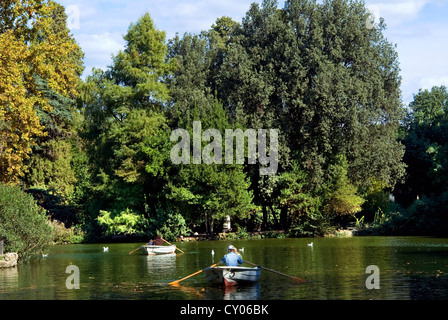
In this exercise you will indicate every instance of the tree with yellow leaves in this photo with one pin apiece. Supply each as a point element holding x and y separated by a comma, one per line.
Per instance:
<point>29,47</point>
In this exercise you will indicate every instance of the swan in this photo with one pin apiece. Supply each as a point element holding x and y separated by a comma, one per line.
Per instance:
<point>310,244</point>
<point>105,249</point>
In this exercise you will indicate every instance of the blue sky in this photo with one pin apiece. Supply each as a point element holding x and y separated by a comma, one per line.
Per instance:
<point>419,28</point>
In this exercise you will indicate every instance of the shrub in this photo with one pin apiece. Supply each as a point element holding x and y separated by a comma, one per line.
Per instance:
<point>126,222</point>
<point>64,235</point>
<point>169,224</point>
<point>23,225</point>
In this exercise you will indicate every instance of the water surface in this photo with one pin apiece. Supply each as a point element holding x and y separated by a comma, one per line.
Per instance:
<point>335,268</point>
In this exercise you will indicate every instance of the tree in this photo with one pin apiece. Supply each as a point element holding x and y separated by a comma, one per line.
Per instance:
<point>425,190</point>
<point>204,192</point>
<point>317,73</point>
<point>125,126</point>
<point>426,144</point>
<point>189,85</point>
<point>299,206</point>
<point>31,51</point>
<point>136,72</point>
<point>343,198</point>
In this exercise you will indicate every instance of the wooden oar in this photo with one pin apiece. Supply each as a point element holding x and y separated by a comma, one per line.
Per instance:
<point>171,245</point>
<point>134,250</point>
<point>285,275</point>
<point>193,274</point>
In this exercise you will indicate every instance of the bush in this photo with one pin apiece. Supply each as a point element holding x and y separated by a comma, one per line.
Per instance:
<point>126,222</point>
<point>23,225</point>
<point>64,235</point>
<point>169,224</point>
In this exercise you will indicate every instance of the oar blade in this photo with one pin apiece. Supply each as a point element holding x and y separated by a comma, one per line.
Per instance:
<point>134,250</point>
<point>189,276</point>
<point>299,279</point>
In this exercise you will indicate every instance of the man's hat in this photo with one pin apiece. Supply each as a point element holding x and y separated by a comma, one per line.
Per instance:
<point>231,248</point>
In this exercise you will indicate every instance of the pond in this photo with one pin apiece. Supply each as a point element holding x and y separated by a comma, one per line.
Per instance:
<point>405,268</point>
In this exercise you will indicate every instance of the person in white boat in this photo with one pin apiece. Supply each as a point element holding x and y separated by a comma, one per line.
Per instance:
<point>157,242</point>
<point>232,258</point>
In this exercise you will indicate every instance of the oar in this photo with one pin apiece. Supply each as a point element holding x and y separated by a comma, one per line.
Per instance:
<point>193,274</point>
<point>171,245</point>
<point>285,275</point>
<point>134,250</point>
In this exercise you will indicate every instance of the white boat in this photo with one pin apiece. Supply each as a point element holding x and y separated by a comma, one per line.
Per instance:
<point>230,276</point>
<point>153,249</point>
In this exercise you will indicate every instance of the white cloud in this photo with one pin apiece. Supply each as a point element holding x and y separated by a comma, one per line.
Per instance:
<point>99,49</point>
<point>419,29</point>
<point>396,12</point>
<point>428,83</point>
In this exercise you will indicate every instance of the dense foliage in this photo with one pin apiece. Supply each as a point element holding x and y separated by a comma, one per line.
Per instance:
<point>96,153</point>
<point>425,135</point>
<point>34,61</point>
<point>24,226</point>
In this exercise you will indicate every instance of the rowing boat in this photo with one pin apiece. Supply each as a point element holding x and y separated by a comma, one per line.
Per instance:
<point>153,249</point>
<point>230,276</point>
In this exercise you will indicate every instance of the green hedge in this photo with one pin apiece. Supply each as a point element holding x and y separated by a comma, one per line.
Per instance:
<point>23,226</point>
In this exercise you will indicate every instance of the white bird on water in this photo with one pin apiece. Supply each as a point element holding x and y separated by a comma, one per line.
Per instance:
<point>242,249</point>
<point>310,244</point>
<point>105,249</point>
<point>213,253</point>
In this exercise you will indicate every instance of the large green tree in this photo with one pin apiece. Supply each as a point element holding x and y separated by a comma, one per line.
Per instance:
<point>316,72</point>
<point>125,125</point>
<point>425,190</point>
<point>207,192</point>
<point>327,80</point>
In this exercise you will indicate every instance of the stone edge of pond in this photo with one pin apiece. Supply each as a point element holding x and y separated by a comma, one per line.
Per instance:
<point>9,260</point>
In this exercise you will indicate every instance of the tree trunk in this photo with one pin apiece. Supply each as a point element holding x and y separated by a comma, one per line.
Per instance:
<point>276,223</point>
<point>206,222</point>
<point>284,217</point>
<point>212,221</point>
<point>265,217</point>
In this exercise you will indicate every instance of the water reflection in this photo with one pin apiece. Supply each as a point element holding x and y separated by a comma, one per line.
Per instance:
<point>410,268</point>
<point>163,263</point>
<point>239,292</point>
<point>8,277</point>
<point>249,292</point>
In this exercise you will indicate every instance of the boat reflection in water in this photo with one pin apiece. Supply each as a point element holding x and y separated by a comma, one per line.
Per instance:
<point>243,292</point>
<point>239,283</point>
<point>161,263</point>
<point>239,292</point>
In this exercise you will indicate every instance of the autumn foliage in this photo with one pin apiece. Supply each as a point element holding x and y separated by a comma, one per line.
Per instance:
<point>30,47</point>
